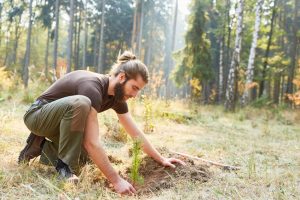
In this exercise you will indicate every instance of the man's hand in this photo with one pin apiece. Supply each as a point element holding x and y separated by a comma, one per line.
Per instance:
<point>123,187</point>
<point>168,162</point>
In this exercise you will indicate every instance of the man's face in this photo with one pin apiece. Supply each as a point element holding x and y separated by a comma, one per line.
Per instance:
<point>126,89</point>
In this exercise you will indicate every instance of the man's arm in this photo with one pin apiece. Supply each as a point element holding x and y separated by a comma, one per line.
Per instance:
<point>131,128</point>
<point>96,152</point>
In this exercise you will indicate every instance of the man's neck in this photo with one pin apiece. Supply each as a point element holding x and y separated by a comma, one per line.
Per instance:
<point>111,85</point>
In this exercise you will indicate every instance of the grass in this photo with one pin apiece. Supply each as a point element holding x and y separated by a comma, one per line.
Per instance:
<point>265,143</point>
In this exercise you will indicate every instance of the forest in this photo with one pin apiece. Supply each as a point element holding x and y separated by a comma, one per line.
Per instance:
<point>231,52</point>
<point>224,86</point>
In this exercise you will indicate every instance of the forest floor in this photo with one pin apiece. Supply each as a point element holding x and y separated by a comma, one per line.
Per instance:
<point>264,143</point>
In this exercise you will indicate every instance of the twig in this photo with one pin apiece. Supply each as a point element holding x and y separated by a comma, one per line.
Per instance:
<point>226,167</point>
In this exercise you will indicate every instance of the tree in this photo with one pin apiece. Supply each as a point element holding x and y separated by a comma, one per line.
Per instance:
<point>15,16</point>
<point>70,37</point>
<point>264,72</point>
<point>46,17</point>
<point>27,52</point>
<point>293,50</point>
<point>250,68</point>
<point>85,40</point>
<point>57,4</point>
<point>235,62</point>
<point>101,41</point>
<point>194,61</point>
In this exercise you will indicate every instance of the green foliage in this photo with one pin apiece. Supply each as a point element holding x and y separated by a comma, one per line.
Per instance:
<point>176,117</point>
<point>136,162</point>
<point>261,102</point>
<point>148,114</point>
<point>194,60</point>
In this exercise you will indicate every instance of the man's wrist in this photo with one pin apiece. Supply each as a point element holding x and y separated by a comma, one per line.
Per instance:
<point>114,177</point>
<point>161,160</point>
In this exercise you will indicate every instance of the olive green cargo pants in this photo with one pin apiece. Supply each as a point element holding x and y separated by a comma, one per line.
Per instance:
<point>62,122</point>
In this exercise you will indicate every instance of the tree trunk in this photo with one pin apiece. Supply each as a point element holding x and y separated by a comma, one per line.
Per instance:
<point>137,28</point>
<point>221,71</point>
<point>75,31</point>
<point>141,25</point>
<point>16,44</point>
<point>7,44</point>
<point>70,37</point>
<point>96,48</point>
<point>293,51</point>
<point>250,68</point>
<point>55,39</point>
<point>78,42</point>
<point>230,92</point>
<point>27,52</point>
<point>1,8</point>
<point>264,72</point>
<point>134,28</point>
<point>276,91</point>
<point>85,40</point>
<point>228,45</point>
<point>47,53</point>
<point>101,42</point>
<point>174,26</point>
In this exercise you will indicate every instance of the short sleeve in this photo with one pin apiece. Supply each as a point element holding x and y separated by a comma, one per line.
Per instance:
<point>93,94</point>
<point>120,108</point>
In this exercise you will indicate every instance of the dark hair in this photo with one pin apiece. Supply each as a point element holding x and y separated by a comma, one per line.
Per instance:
<point>131,66</point>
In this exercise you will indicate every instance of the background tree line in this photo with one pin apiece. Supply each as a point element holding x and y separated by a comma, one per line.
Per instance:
<point>234,52</point>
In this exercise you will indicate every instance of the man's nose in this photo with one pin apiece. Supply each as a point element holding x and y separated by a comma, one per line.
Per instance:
<point>134,94</point>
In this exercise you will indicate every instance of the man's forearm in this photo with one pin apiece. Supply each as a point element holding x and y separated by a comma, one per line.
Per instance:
<point>96,152</point>
<point>98,155</point>
<point>150,150</point>
<point>135,132</point>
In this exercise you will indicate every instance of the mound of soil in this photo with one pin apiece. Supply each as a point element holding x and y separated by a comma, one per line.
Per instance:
<point>157,177</point>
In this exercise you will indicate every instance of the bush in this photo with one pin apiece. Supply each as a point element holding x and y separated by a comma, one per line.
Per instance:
<point>261,102</point>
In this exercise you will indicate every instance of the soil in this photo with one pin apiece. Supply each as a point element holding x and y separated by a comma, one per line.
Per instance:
<point>157,177</point>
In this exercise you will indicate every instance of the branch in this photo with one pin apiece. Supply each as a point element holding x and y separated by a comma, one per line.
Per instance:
<point>225,167</point>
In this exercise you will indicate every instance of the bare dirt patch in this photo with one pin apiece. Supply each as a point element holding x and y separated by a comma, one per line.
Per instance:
<point>157,177</point>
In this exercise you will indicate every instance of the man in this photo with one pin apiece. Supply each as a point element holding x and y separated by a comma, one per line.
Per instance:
<point>66,115</point>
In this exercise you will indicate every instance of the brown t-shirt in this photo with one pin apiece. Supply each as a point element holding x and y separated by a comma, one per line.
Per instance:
<point>90,84</point>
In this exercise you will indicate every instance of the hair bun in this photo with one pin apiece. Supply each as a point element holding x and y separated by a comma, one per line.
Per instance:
<point>126,56</point>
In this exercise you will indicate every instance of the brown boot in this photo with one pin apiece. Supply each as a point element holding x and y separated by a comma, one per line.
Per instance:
<point>32,149</point>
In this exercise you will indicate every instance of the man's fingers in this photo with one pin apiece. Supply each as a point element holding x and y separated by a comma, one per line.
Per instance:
<point>180,162</point>
<point>127,192</point>
<point>171,165</point>
<point>132,189</point>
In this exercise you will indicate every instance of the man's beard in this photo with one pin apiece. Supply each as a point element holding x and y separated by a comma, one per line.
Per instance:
<point>119,92</point>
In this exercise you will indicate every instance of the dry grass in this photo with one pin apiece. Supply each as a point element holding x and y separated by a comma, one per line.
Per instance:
<point>264,143</point>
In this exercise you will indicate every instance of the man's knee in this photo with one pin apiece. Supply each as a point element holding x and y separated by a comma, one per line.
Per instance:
<point>82,103</point>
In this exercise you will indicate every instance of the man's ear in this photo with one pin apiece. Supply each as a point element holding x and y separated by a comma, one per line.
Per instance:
<point>122,77</point>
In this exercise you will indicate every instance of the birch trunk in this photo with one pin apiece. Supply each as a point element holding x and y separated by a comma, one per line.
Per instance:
<point>250,67</point>
<point>230,92</point>
<point>221,71</point>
